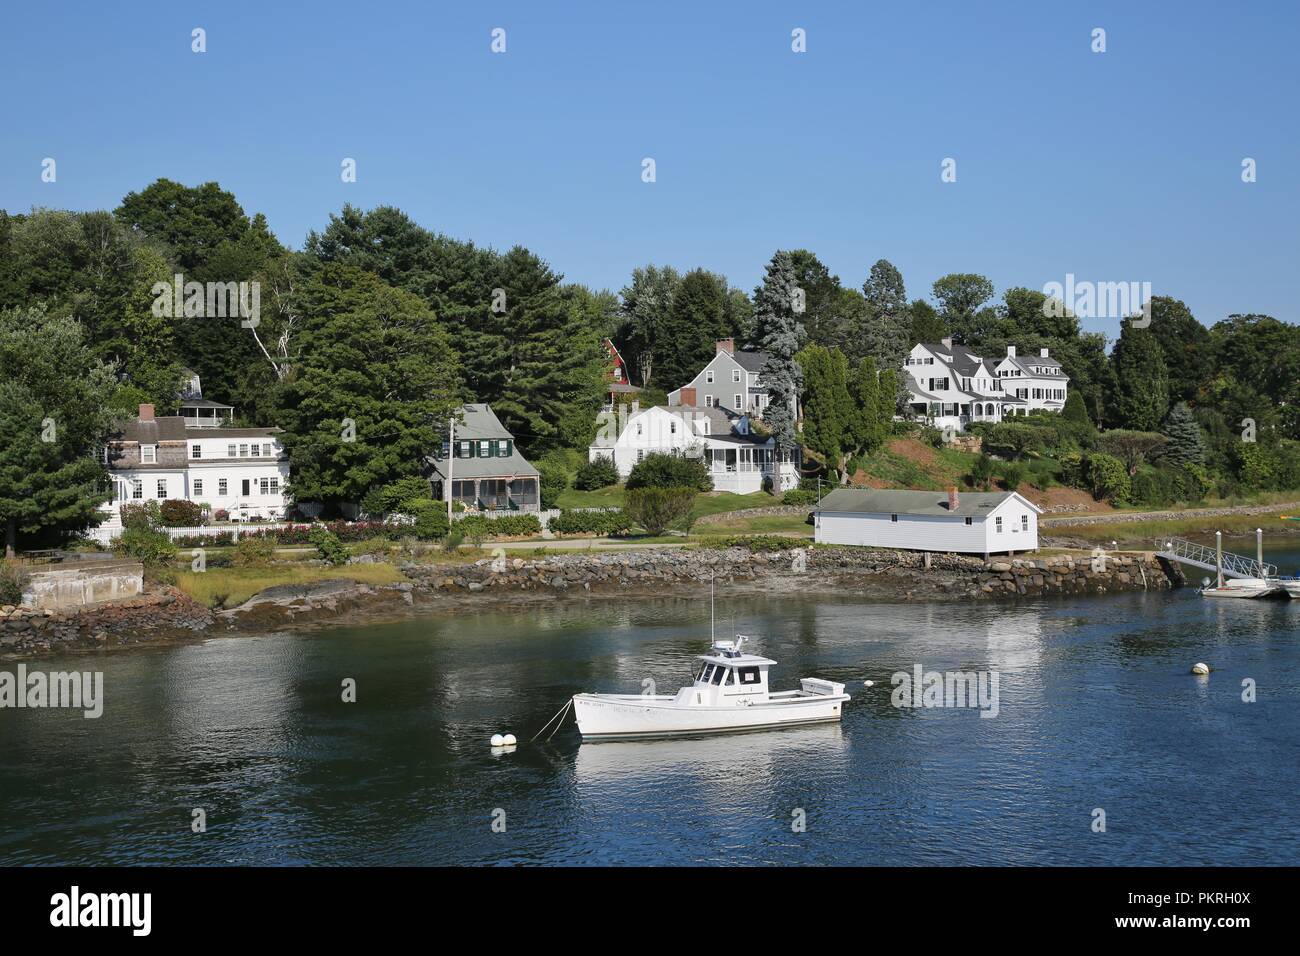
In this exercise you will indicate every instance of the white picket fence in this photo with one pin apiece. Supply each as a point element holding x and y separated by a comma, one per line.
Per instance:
<point>106,535</point>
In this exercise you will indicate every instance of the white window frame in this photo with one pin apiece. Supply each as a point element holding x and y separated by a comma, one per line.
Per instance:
<point>148,454</point>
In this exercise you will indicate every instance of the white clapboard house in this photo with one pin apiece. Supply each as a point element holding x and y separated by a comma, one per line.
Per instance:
<point>243,471</point>
<point>961,522</point>
<point>738,460</point>
<point>950,386</point>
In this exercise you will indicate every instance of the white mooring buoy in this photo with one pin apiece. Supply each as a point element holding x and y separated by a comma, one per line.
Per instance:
<point>498,740</point>
<point>868,683</point>
<point>1200,669</point>
<point>510,740</point>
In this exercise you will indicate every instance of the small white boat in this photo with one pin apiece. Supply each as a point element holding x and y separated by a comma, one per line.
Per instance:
<point>1248,588</point>
<point>1292,586</point>
<point>730,693</point>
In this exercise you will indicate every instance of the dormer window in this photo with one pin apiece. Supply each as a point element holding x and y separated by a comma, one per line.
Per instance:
<point>196,451</point>
<point>148,454</point>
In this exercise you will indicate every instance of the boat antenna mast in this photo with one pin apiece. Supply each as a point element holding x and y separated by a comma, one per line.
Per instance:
<point>710,608</point>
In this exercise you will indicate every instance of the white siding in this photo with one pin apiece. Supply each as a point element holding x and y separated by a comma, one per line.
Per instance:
<point>934,532</point>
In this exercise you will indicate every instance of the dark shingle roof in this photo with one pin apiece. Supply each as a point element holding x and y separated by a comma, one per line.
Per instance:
<point>751,361</point>
<point>889,501</point>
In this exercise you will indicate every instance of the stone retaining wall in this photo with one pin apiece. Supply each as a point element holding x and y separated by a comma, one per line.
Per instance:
<point>156,615</point>
<point>76,584</point>
<point>851,570</point>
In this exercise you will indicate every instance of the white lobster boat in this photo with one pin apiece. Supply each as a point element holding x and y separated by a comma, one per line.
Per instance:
<point>730,693</point>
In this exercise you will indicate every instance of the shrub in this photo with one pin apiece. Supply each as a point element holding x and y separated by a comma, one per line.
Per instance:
<point>931,436</point>
<point>554,479</point>
<point>1073,470</point>
<point>1108,478</point>
<point>656,508</point>
<point>143,515</point>
<point>981,472</point>
<point>328,546</point>
<point>758,542</point>
<point>178,513</point>
<point>221,514</point>
<point>800,497</point>
<point>600,473</point>
<point>1013,475</point>
<point>670,471</point>
<point>146,545</point>
<point>214,540</point>
<point>253,551</point>
<point>430,519</point>
<point>508,526</point>
<point>609,522</point>
<point>12,581</point>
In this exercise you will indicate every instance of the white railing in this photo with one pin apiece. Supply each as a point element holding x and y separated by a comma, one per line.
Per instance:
<point>1198,555</point>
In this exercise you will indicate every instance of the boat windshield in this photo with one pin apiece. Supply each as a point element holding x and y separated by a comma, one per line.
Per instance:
<point>719,673</point>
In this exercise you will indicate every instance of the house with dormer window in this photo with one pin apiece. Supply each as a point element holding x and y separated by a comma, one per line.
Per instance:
<point>481,468</point>
<point>950,386</point>
<point>242,471</point>
<point>732,380</point>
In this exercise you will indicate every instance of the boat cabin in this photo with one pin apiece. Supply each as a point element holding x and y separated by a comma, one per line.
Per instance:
<point>727,677</point>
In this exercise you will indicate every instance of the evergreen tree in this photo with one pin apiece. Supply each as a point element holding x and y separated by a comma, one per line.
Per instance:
<point>887,400</point>
<point>778,331</point>
<point>1186,445</point>
<point>549,374</point>
<point>869,429</point>
<point>828,428</point>
<point>926,324</point>
<point>54,416</point>
<point>698,317</point>
<point>373,389</point>
<point>887,329</point>
<point>1141,380</point>
<point>1185,345</point>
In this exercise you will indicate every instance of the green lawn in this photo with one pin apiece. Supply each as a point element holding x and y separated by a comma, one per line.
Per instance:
<point>758,524</point>
<point>229,587</point>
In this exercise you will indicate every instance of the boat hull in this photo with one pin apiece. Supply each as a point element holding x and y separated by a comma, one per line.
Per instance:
<point>611,716</point>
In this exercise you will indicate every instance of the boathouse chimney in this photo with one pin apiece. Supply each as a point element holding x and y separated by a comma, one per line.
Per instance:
<point>953,499</point>
<point>146,413</point>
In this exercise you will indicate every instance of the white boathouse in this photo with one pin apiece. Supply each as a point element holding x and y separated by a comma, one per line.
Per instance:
<point>961,522</point>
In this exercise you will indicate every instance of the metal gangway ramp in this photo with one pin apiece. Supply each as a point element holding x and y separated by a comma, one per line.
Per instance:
<point>1234,565</point>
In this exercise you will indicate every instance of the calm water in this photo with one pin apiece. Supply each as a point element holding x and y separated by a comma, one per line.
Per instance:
<point>1097,710</point>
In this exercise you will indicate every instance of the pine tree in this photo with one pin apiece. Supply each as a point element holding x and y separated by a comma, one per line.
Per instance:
<point>887,328</point>
<point>829,411</point>
<point>1142,382</point>
<point>551,365</point>
<point>54,416</point>
<point>778,331</point>
<point>1186,445</point>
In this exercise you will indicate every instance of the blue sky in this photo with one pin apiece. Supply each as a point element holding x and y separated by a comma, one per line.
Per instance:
<point>1120,166</point>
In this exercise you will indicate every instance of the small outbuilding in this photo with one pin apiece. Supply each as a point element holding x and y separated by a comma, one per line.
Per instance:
<point>962,522</point>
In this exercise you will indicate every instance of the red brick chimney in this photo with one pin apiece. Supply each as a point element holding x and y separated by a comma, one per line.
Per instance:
<point>724,345</point>
<point>146,413</point>
<point>688,396</point>
<point>953,500</point>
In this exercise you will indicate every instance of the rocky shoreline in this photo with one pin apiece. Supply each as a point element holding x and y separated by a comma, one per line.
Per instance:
<point>166,615</point>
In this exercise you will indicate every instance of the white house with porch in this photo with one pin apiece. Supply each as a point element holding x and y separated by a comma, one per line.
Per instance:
<point>951,386</point>
<point>738,460</point>
<point>960,522</point>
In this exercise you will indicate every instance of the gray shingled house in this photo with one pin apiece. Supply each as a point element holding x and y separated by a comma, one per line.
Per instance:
<point>484,470</point>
